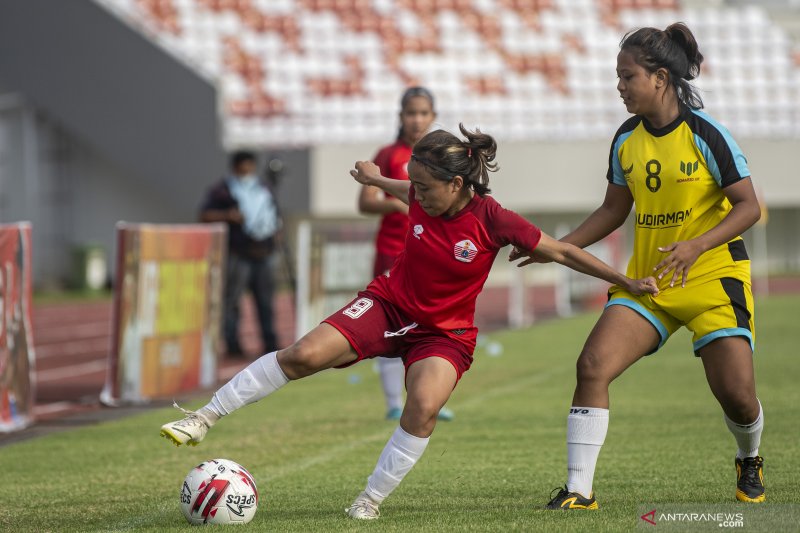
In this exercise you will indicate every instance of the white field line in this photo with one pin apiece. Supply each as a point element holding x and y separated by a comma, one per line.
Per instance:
<point>90,367</point>
<point>73,347</point>
<point>71,371</point>
<point>54,407</point>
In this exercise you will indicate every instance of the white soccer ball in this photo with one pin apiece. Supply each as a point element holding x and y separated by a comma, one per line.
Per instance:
<point>219,492</point>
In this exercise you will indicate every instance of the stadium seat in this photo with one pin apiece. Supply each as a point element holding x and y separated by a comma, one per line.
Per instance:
<point>294,64</point>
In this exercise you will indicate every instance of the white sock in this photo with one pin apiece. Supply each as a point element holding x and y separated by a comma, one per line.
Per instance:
<point>398,457</point>
<point>586,432</point>
<point>393,375</point>
<point>748,436</point>
<point>261,378</point>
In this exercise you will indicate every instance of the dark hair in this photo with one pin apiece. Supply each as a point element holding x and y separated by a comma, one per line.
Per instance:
<point>241,156</point>
<point>447,156</point>
<point>413,92</point>
<point>674,49</point>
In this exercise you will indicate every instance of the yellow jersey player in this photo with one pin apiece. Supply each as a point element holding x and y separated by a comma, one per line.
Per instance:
<point>693,198</point>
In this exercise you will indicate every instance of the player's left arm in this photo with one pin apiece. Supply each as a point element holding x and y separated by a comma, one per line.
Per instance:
<point>683,254</point>
<point>510,228</point>
<point>582,261</point>
<point>368,173</point>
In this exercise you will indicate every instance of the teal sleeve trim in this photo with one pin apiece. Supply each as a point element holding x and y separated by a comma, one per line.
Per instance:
<point>618,176</point>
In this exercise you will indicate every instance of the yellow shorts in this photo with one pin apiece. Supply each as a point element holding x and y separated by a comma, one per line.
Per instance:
<point>711,310</point>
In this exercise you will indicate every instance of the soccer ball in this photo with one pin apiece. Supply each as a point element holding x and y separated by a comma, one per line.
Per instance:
<point>219,492</point>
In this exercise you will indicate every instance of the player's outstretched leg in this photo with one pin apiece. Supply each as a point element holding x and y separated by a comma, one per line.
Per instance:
<point>430,382</point>
<point>323,347</point>
<point>261,378</point>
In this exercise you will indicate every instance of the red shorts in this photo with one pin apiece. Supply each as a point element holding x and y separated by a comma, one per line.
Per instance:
<point>375,327</point>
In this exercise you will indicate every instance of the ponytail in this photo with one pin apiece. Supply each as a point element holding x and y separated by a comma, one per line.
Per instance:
<point>481,150</point>
<point>447,156</point>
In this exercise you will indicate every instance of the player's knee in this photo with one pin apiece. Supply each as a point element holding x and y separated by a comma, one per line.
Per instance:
<point>589,367</point>
<point>419,426</point>
<point>299,360</point>
<point>419,417</point>
<point>740,406</point>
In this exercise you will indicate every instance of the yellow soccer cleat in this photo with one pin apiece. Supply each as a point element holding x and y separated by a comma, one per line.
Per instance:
<point>566,500</point>
<point>750,479</point>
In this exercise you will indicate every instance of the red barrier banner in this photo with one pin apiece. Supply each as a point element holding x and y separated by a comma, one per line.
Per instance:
<point>16,335</point>
<point>167,311</point>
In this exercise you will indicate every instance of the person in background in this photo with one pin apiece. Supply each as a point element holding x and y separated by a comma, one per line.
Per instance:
<point>247,205</point>
<point>417,113</point>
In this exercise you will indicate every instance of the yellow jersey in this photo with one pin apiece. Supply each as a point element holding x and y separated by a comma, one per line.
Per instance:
<point>676,175</point>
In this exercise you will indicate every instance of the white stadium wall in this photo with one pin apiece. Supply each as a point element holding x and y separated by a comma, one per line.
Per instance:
<point>550,176</point>
<point>559,182</point>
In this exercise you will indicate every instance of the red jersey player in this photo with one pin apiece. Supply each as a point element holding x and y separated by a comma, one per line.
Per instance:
<point>422,311</point>
<point>417,113</point>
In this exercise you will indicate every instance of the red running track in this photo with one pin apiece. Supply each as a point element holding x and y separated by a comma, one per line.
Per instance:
<point>72,341</point>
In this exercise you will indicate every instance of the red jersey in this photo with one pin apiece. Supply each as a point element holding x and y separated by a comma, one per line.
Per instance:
<point>446,261</point>
<point>393,162</point>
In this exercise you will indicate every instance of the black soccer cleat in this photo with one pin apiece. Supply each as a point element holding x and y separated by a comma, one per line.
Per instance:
<point>750,479</point>
<point>566,500</point>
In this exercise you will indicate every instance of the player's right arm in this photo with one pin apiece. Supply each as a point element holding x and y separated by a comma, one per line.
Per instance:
<point>368,173</point>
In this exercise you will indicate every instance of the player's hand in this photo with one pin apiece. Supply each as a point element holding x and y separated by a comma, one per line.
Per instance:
<point>647,285</point>
<point>366,172</point>
<point>682,255</point>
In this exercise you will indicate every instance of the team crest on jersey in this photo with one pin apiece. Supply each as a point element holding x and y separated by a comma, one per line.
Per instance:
<point>418,229</point>
<point>465,251</point>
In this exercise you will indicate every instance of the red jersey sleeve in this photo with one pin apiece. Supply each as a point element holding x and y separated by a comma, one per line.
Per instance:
<point>507,227</point>
<point>382,160</point>
<point>392,161</point>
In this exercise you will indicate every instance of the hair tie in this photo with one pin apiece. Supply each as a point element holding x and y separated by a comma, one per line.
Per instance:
<point>469,153</point>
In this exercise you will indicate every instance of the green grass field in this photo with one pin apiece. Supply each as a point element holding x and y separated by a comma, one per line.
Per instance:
<point>311,446</point>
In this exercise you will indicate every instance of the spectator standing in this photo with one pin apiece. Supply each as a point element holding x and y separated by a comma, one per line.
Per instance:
<point>247,205</point>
